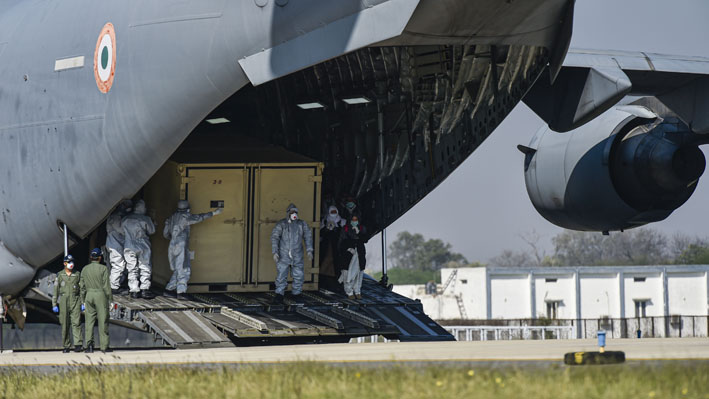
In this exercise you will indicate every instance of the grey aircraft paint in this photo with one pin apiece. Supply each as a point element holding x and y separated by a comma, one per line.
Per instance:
<point>70,152</point>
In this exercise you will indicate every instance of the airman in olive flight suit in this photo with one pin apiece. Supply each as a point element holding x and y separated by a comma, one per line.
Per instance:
<point>67,302</point>
<point>96,296</point>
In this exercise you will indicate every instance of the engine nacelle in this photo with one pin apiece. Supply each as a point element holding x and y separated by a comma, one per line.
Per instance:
<point>624,169</point>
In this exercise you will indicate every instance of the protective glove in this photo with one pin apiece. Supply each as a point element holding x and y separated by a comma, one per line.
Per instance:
<point>351,250</point>
<point>276,257</point>
<point>217,211</point>
<point>356,230</point>
<point>55,309</point>
<point>310,255</point>
<point>83,307</point>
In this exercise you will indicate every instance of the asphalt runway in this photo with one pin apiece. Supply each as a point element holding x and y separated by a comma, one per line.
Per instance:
<point>392,352</point>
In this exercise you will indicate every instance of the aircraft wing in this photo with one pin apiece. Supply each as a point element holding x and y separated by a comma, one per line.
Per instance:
<point>591,81</point>
<point>637,61</point>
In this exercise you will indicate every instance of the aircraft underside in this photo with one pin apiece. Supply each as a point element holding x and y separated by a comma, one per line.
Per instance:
<point>418,113</point>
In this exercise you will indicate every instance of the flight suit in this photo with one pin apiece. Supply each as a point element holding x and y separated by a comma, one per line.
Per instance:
<point>67,296</point>
<point>96,295</point>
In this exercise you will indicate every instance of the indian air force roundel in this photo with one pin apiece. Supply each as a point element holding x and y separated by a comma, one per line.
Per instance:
<point>105,58</point>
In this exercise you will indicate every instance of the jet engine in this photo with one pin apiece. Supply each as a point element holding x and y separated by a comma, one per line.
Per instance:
<point>624,169</point>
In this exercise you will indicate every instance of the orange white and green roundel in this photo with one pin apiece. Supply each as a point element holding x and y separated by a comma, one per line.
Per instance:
<point>105,58</point>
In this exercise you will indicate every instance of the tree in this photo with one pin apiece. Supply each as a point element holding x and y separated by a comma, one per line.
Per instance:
<point>532,239</point>
<point>694,254</point>
<point>407,276</point>
<point>412,251</point>
<point>403,251</point>
<point>642,246</point>
<point>509,258</point>
<point>684,249</point>
<point>633,247</point>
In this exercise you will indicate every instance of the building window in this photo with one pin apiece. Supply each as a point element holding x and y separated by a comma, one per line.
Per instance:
<point>464,281</point>
<point>550,280</point>
<point>639,279</point>
<point>641,307</point>
<point>605,323</point>
<point>553,309</point>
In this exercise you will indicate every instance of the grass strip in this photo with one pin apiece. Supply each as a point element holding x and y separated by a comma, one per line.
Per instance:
<point>314,380</point>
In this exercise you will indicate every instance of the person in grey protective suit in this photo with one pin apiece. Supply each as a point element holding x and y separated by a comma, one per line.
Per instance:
<point>114,243</point>
<point>177,230</point>
<point>287,248</point>
<point>137,226</point>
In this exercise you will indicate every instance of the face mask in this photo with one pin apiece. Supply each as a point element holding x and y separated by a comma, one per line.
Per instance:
<point>350,205</point>
<point>354,223</point>
<point>70,266</point>
<point>293,216</point>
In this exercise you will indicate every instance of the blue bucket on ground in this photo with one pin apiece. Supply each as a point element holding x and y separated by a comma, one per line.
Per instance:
<point>601,338</point>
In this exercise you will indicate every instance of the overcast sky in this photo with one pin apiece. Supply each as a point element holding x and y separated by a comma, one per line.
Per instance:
<point>483,207</point>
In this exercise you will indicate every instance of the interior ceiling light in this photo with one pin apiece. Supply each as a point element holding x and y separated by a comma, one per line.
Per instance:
<point>313,105</point>
<point>356,100</point>
<point>217,121</point>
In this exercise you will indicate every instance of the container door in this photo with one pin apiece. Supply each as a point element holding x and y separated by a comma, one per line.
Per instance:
<point>218,243</point>
<point>276,188</point>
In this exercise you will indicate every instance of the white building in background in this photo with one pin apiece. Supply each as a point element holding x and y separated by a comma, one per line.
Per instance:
<point>571,293</point>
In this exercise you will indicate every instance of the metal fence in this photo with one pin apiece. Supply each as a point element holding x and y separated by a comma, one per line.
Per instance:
<point>371,339</point>
<point>647,327</point>
<point>492,333</point>
<point>643,327</point>
<point>496,333</point>
<point>510,329</point>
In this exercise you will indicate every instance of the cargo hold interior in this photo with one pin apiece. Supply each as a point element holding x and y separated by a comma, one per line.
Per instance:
<point>254,182</point>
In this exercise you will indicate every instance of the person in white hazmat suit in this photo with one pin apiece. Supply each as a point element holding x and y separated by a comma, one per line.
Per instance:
<point>114,244</point>
<point>287,248</point>
<point>137,226</point>
<point>177,230</point>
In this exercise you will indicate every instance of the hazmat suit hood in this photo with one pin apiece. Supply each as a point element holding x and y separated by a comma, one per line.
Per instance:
<point>183,206</point>
<point>290,208</point>
<point>139,208</point>
<point>126,206</point>
<point>333,218</point>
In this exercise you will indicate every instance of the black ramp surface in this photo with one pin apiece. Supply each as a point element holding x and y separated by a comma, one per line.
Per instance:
<point>184,329</point>
<point>326,314</point>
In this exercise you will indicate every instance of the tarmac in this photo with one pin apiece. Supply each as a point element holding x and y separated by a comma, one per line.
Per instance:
<point>656,349</point>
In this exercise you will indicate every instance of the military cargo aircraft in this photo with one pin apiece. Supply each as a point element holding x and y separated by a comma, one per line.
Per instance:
<point>391,95</point>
